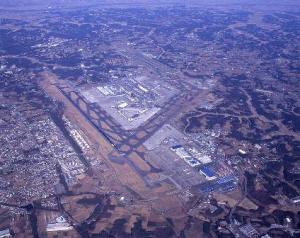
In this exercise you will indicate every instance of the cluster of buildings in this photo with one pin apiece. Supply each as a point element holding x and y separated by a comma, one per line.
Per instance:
<point>78,136</point>
<point>131,101</point>
<point>27,168</point>
<point>30,152</point>
<point>206,167</point>
<point>190,159</point>
<point>187,157</point>
<point>60,224</point>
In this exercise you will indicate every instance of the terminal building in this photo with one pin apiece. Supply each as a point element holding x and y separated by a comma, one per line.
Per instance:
<point>183,154</point>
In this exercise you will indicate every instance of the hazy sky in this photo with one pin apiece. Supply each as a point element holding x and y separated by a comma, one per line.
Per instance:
<point>66,2</point>
<point>292,4</point>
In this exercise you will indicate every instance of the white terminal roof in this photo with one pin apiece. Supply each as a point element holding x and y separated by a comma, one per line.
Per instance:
<point>123,105</point>
<point>204,159</point>
<point>143,88</point>
<point>181,152</point>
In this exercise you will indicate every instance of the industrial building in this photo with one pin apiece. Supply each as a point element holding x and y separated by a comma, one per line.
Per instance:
<point>183,154</point>
<point>249,231</point>
<point>208,173</point>
<point>60,224</point>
